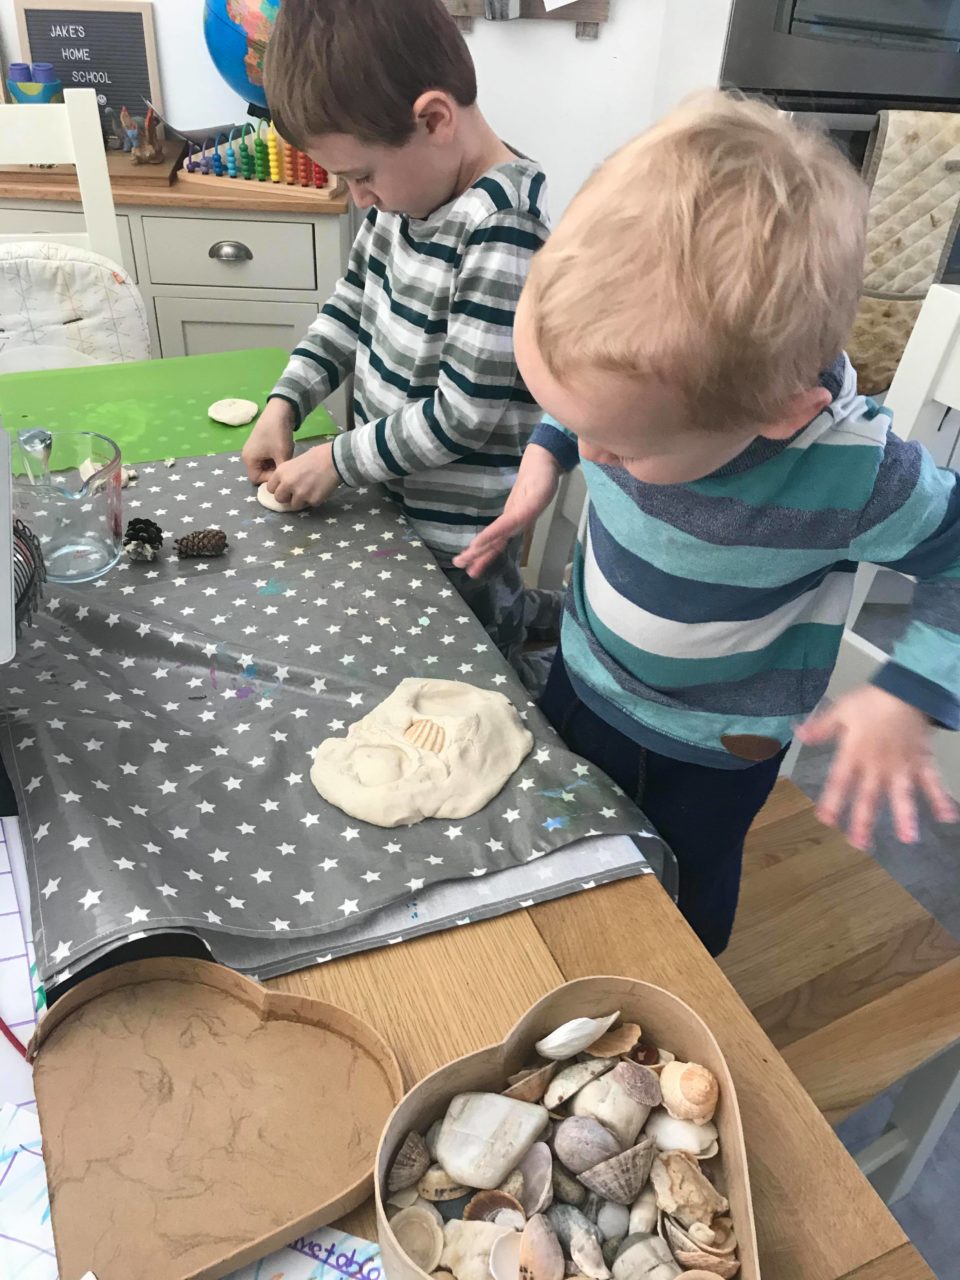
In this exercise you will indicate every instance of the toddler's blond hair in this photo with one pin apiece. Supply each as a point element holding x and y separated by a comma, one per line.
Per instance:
<point>721,253</point>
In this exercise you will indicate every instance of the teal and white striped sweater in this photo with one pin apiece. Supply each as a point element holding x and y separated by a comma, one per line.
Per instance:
<point>704,619</point>
<point>423,319</point>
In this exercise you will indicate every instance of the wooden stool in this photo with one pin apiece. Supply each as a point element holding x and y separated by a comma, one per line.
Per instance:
<point>853,981</point>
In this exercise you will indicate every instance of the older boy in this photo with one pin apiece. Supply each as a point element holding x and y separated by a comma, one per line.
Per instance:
<point>385,95</point>
<point>685,325</point>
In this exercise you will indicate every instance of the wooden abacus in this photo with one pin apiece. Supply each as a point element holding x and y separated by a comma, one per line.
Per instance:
<point>270,162</point>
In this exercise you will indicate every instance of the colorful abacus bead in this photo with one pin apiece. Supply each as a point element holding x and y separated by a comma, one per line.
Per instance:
<point>290,164</point>
<point>303,165</point>
<point>231,157</point>
<point>246,160</point>
<point>273,155</point>
<point>261,160</point>
<point>319,176</point>
<point>217,158</point>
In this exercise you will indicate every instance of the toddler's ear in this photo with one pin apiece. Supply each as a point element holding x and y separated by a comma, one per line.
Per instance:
<point>803,408</point>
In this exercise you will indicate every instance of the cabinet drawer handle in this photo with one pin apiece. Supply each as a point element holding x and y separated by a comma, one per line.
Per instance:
<point>231,251</point>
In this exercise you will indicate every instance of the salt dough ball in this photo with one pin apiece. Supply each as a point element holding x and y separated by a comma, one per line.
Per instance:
<point>432,749</point>
<point>266,499</point>
<point>233,413</point>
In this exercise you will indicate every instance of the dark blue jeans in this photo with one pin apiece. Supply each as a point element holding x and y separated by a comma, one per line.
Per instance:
<point>703,814</point>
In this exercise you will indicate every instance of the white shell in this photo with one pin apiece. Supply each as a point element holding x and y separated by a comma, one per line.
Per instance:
<point>536,1168</point>
<point>573,1078</point>
<point>467,1247</point>
<point>574,1036</point>
<point>505,1257</point>
<point>645,1211</point>
<point>419,1236</point>
<point>699,1140</point>
<point>485,1136</point>
<point>607,1101</point>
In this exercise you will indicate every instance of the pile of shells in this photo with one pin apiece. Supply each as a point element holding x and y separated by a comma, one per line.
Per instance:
<point>597,1162</point>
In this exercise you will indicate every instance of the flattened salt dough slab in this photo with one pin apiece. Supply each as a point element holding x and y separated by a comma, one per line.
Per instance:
<point>233,413</point>
<point>266,499</point>
<point>432,749</point>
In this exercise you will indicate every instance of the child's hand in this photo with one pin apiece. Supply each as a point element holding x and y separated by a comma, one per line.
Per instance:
<point>536,484</point>
<point>306,481</point>
<point>270,442</point>
<point>883,752</point>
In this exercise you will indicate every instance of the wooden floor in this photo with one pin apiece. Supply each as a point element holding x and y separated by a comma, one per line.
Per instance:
<point>851,978</point>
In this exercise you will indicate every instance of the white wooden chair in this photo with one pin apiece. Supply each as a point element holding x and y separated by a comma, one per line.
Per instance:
<point>41,133</point>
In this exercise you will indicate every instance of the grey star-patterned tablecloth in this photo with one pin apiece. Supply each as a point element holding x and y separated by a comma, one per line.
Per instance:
<point>159,726</point>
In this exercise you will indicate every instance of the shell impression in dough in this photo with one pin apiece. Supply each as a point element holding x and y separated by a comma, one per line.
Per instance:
<point>233,413</point>
<point>266,499</point>
<point>393,770</point>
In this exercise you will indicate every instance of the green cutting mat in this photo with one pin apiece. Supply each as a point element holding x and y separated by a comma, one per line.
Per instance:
<point>153,408</point>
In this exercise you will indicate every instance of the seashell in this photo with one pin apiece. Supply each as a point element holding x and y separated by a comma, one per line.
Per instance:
<point>541,1257</point>
<point>405,1198</point>
<point>611,1248</point>
<point>409,1165</point>
<point>530,1086</point>
<point>649,1055</point>
<point>706,1264</point>
<point>566,1221</point>
<point>536,1169</point>
<point>582,1142</point>
<point>682,1190</point>
<point>566,1188</point>
<point>513,1185</point>
<point>573,1078</point>
<point>420,1237</point>
<point>622,1178</point>
<point>699,1275</point>
<point>699,1140</point>
<point>642,1084</point>
<point>644,1212</point>
<point>505,1257</point>
<point>467,1247</point>
<point>613,1220</point>
<point>616,1042</point>
<point>645,1257</point>
<point>431,1137</point>
<point>442,1275</point>
<point>587,1253</point>
<point>607,1101</point>
<point>485,1205</point>
<point>574,1036</point>
<point>427,735</point>
<point>691,1248</point>
<point>690,1091</point>
<point>486,1135</point>
<point>436,1184</point>
<point>512,1218</point>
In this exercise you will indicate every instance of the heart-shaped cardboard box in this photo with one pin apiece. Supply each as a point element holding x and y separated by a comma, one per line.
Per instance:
<point>665,1020</point>
<point>194,1122</point>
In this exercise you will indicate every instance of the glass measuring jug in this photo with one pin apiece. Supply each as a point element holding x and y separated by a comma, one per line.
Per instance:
<point>67,490</point>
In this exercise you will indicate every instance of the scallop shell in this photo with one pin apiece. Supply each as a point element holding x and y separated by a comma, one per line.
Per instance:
<point>682,1190</point>
<point>419,1236</point>
<point>436,1184</point>
<point>536,1169</point>
<point>505,1257</point>
<point>690,1091</point>
<point>587,1253</point>
<point>410,1164</point>
<point>622,1178</point>
<point>642,1084</point>
<point>699,1140</point>
<point>574,1036</point>
<point>531,1085</point>
<point>427,735</point>
<point>485,1205</point>
<point>572,1079</point>
<point>541,1257</point>
<point>616,1042</point>
<point>581,1143</point>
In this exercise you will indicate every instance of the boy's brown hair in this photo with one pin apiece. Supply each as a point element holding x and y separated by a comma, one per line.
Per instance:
<point>720,253</point>
<point>358,66</point>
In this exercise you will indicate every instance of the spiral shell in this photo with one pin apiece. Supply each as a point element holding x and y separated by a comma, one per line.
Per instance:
<point>427,735</point>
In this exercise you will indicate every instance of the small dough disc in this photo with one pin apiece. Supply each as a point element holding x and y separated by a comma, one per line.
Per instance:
<point>266,499</point>
<point>431,749</point>
<point>233,413</point>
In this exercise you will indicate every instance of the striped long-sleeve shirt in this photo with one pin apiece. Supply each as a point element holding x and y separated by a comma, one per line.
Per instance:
<point>704,619</point>
<point>423,318</point>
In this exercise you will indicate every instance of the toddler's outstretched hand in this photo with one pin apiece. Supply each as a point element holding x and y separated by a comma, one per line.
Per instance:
<point>536,484</point>
<point>883,752</point>
<point>270,442</point>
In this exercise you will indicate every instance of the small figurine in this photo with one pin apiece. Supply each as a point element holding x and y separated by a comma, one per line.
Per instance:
<point>148,148</point>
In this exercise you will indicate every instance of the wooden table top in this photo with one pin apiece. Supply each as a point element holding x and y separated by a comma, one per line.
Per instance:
<point>448,994</point>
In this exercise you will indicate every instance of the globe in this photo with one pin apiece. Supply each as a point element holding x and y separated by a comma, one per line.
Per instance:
<point>237,32</point>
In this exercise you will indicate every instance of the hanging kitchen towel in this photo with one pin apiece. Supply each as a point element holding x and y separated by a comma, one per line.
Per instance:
<point>913,169</point>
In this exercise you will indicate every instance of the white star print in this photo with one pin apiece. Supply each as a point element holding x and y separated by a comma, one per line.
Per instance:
<point>33,784</point>
<point>137,915</point>
<point>542,756</point>
<point>355,699</point>
<point>351,833</point>
<point>61,952</point>
<point>90,899</point>
<point>206,807</point>
<point>193,875</point>
<point>284,849</point>
<point>608,813</point>
<point>232,784</point>
<point>246,829</point>
<point>350,906</point>
<point>370,876</point>
<point>310,820</point>
<point>41,831</point>
<point>414,885</point>
<point>50,887</point>
<point>159,746</point>
<point>212,917</point>
<point>129,768</point>
<point>270,806</point>
<point>280,925</point>
<point>304,896</point>
<point>260,875</point>
<point>167,788</point>
<point>167,891</point>
<point>236,903</point>
<point>80,842</point>
<point>452,832</point>
<point>495,846</point>
<point>525,784</point>
<point>293,778</point>
<point>219,855</point>
<point>580,770</point>
<point>124,864</point>
<point>329,864</point>
<point>179,833</point>
<point>70,797</point>
<point>511,815</point>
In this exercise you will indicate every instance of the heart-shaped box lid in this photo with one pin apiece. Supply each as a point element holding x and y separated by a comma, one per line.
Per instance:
<point>665,1020</point>
<point>194,1122</point>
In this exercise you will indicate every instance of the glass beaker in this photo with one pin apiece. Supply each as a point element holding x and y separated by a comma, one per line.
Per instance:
<point>67,489</point>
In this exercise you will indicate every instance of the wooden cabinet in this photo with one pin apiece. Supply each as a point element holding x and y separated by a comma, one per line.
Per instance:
<point>199,326</point>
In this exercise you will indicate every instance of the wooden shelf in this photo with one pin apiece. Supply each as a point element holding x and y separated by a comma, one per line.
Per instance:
<point>587,14</point>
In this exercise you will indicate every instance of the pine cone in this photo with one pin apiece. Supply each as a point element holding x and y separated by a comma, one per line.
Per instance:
<point>201,542</point>
<point>142,540</point>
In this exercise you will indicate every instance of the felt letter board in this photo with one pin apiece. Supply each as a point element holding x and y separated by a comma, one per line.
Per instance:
<point>109,47</point>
